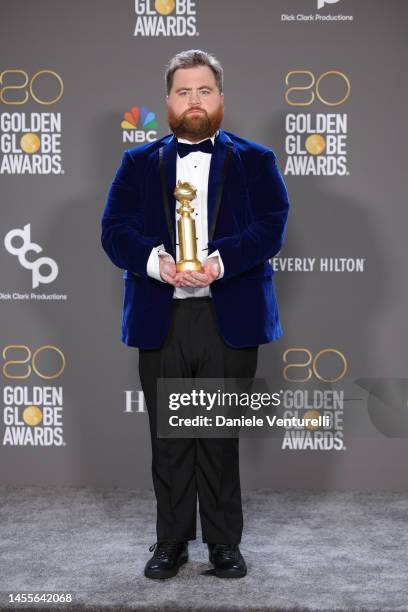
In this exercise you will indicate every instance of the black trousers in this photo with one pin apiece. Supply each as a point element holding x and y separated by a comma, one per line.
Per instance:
<point>183,467</point>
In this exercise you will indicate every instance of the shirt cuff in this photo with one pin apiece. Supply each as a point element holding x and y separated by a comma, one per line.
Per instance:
<point>153,266</point>
<point>217,254</point>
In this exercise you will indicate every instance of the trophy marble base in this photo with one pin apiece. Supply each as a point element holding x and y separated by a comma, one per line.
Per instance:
<point>189,266</point>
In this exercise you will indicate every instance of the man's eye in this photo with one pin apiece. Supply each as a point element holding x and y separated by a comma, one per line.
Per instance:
<point>205,91</point>
<point>182,93</point>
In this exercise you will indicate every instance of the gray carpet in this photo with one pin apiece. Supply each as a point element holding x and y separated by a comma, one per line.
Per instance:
<point>304,551</point>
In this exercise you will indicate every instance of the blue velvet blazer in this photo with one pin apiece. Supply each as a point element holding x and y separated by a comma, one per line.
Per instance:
<point>247,214</point>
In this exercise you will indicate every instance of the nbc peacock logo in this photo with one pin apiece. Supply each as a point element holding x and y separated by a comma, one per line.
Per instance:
<point>139,125</point>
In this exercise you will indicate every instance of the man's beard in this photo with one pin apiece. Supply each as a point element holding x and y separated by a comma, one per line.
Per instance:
<point>195,126</point>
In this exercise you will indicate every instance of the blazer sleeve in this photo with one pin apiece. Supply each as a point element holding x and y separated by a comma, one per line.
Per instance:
<point>122,238</point>
<point>264,236</point>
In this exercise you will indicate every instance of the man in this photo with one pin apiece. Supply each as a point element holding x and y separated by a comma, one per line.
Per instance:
<point>196,324</point>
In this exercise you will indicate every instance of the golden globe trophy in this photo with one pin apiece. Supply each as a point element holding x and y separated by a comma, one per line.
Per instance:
<point>185,193</point>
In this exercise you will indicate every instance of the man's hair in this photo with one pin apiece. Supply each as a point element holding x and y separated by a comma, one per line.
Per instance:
<point>189,59</point>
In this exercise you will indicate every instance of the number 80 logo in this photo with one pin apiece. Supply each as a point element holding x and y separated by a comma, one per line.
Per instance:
<point>310,367</point>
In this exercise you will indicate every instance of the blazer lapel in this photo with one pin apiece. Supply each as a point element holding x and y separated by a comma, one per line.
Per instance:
<point>168,172</point>
<point>218,169</point>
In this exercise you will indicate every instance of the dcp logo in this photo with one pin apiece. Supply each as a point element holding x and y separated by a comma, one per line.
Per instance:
<point>321,3</point>
<point>25,247</point>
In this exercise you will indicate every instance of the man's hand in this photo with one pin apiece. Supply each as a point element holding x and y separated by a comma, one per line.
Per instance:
<point>167,269</point>
<point>211,271</point>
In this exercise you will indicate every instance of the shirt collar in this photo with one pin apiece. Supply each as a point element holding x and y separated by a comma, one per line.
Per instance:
<point>189,141</point>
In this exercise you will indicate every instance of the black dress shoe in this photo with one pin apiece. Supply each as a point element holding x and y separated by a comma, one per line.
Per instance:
<point>227,560</point>
<point>167,558</point>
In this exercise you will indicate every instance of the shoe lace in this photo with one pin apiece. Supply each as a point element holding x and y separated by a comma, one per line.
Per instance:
<point>164,548</point>
<point>228,551</point>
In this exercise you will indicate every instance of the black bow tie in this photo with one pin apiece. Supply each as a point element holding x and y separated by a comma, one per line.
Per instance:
<point>205,145</point>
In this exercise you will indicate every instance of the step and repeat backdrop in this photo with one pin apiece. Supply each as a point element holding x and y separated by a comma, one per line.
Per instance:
<point>321,82</point>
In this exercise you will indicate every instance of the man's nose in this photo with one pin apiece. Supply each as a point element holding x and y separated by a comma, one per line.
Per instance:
<point>194,97</point>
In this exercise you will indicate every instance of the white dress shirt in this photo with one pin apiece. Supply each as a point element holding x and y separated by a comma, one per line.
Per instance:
<point>194,168</point>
